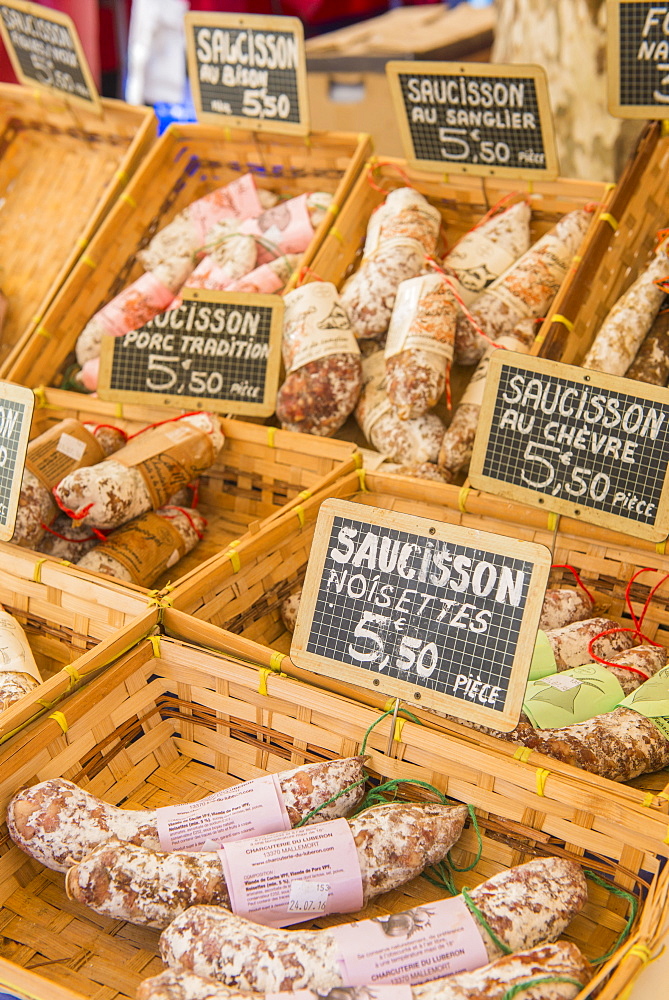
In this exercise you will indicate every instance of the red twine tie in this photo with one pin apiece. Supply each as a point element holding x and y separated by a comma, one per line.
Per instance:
<point>580,583</point>
<point>170,420</point>
<point>373,167</point>
<point>77,541</point>
<point>187,515</point>
<point>111,427</point>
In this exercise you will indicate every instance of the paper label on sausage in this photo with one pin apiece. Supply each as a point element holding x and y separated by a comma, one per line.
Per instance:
<point>415,946</point>
<point>260,874</point>
<point>373,402</point>
<point>543,658</point>
<point>135,305</point>
<point>474,263</point>
<point>246,810</point>
<point>239,199</point>
<point>571,696</point>
<point>266,279</point>
<point>315,325</point>
<point>652,700</point>
<point>15,652</point>
<point>285,228</point>
<point>423,318</point>
<point>408,215</point>
<point>475,389</point>
<point>59,451</point>
<point>346,993</point>
<point>145,547</point>
<point>168,458</point>
<point>533,282</point>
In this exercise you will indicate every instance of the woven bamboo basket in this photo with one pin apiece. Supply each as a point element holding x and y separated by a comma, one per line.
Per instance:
<point>171,721</point>
<point>618,247</point>
<point>186,163</point>
<point>242,589</point>
<point>61,170</point>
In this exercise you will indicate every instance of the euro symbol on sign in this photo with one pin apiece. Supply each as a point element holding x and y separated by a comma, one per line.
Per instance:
<point>475,134</point>
<point>399,624</point>
<point>566,458</point>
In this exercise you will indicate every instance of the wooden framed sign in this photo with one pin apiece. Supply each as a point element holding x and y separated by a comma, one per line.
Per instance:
<point>638,58</point>
<point>440,616</point>
<point>248,71</point>
<point>16,412</point>
<point>219,350</point>
<point>45,51</point>
<point>576,442</point>
<point>474,118</point>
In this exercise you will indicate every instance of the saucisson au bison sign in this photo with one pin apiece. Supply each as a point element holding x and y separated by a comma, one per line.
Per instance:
<point>576,442</point>
<point>440,616</point>
<point>474,118</point>
<point>248,71</point>
<point>16,410</point>
<point>638,58</point>
<point>217,350</point>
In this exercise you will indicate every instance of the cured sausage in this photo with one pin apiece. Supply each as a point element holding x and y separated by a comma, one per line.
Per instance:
<point>563,606</point>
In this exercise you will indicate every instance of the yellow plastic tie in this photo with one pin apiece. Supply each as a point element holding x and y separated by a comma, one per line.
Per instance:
<point>609,187</point>
<point>666,839</point>
<point>559,318</point>
<point>307,141</point>
<point>174,131</point>
<point>641,951</point>
<point>336,233</point>
<point>660,548</point>
<point>607,217</point>
<point>665,127</point>
<point>542,774</point>
<point>446,179</point>
<point>647,800</point>
<point>40,396</point>
<point>275,660</point>
<point>399,726</point>
<point>530,187</point>
<point>390,705</point>
<point>43,332</point>
<point>154,600</point>
<point>64,562</point>
<point>553,520</point>
<point>357,460</point>
<point>235,560</point>
<point>118,410</point>
<point>361,477</point>
<point>89,261</point>
<point>60,719</point>
<point>299,510</point>
<point>271,434</point>
<point>122,176</point>
<point>82,242</point>
<point>522,754</point>
<point>75,676</point>
<point>662,795</point>
<point>37,571</point>
<point>128,199</point>
<point>227,133</point>
<point>234,543</point>
<point>263,674</point>
<point>576,259</point>
<point>155,645</point>
<point>305,494</point>
<point>462,499</point>
<point>333,208</point>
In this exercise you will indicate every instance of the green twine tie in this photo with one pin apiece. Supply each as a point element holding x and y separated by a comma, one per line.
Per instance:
<point>623,894</point>
<point>520,987</point>
<point>474,910</point>
<point>328,802</point>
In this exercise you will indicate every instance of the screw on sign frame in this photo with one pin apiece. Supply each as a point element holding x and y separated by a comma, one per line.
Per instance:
<point>16,410</point>
<point>439,616</point>
<point>638,58</point>
<point>575,442</point>
<point>248,71</point>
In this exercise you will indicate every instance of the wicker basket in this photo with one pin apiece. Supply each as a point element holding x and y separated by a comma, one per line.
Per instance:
<point>186,163</point>
<point>172,721</point>
<point>617,249</point>
<point>61,170</point>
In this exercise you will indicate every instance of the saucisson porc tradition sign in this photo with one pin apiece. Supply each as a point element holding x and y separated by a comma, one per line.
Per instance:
<point>575,442</point>
<point>638,58</point>
<point>217,350</point>
<point>437,615</point>
<point>16,411</point>
<point>248,71</point>
<point>474,118</point>
<point>45,51</point>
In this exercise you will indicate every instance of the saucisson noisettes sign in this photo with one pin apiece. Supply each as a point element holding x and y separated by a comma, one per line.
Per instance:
<point>248,71</point>
<point>575,442</point>
<point>638,58</point>
<point>16,411</point>
<point>45,51</point>
<point>440,616</point>
<point>474,118</point>
<point>217,350</point>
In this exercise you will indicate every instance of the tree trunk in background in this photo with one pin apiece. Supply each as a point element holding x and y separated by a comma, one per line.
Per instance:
<point>568,38</point>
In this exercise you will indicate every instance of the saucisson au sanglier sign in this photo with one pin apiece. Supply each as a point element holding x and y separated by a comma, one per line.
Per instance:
<point>440,616</point>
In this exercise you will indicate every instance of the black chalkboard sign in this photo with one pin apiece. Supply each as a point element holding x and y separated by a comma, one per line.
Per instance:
<point>45,51</point>
<point>218,350</point>
<point>440,616</point>
<point>638,58</point>
<point>576,442</point>
<point>16,410</point>
<point>473,118</point>
<point>248,71</point>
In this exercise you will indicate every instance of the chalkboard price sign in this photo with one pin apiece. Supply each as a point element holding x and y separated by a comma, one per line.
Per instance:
<point>638,58</point>
<point>473,118</point>
<point>45,51</point>
<point>219,350</point>
<point>440,616</point>
<point>16,410</point>
<point>576,442</point>
<point>248,71</point>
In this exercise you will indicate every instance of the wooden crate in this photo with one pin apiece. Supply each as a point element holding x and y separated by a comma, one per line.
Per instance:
<point>61,170</point>
<point>242,590</point>
<point>186,163</point>
<point>171,721</point>
<point>618,247</point>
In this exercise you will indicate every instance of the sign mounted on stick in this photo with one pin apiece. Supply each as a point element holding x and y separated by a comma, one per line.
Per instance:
<point>638,58</point>
<point>440,616</point>
<point>248,71</point>
<point>474,118</point>
<point>576,442</point>
<point>217,350</point>
<point>16,412</point>
<point>45,51</point>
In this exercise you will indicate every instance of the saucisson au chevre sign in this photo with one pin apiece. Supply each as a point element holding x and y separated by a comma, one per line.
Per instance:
<point>576,442</point>
<point>45,51</point>
<point>638,58</point>
<point>217,350</point>
<point>440,616</point>
<point>248,71</point>
<point>16,410</point>
<point>474,118</point>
